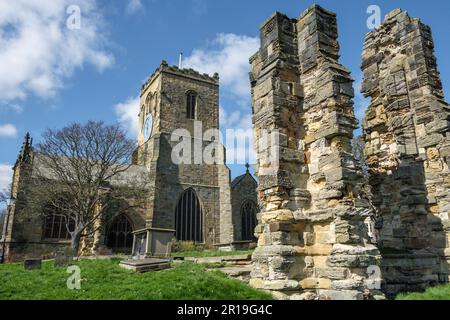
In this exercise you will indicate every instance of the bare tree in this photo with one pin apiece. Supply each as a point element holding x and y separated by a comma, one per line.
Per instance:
<point>4,196</point>
<point>358,146</point>
<point>2,221</point>
<point>81,173</point>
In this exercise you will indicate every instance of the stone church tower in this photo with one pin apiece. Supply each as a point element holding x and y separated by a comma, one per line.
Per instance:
<point>193,197</point>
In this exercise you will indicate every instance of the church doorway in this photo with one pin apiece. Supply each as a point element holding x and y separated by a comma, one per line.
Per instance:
<point>119,234</point>
<point>248,220</point>
<point>189,218</point>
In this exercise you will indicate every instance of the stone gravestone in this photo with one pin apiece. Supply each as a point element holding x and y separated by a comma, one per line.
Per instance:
<point>32,264</point>
<point>161,243</point>
<point>63,257</point>
<point>139,246</point>
<point>151,250</point>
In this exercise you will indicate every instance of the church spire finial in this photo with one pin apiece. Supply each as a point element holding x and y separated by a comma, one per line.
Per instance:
<point>25,151</point>
<point>248,167</point>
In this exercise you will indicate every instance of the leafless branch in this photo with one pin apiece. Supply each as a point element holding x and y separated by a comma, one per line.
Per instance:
<point>81,173</point>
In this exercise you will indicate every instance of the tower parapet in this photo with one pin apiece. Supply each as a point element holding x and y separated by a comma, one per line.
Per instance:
<point>184,72</point>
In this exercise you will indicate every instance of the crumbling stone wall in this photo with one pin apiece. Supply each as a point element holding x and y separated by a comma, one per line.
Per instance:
<point>407,135</point>
<point>312,242</point>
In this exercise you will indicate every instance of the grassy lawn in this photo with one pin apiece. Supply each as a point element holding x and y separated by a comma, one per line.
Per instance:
<point>210,253</point>
<point>435,293</point>
<point>104,279</point>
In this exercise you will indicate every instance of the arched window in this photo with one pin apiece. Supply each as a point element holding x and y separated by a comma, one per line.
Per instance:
<point>55,226</point>
<point>119,233</point>
<point>248,220</point>
<point>189,218</point>
<point>191,104</point>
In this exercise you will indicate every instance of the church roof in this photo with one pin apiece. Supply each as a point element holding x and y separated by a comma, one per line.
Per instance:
<point>132,176</point>
<point>236,181</point>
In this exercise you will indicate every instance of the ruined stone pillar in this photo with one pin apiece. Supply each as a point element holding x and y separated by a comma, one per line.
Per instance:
<point>312,242</point>
<point>407,135</point>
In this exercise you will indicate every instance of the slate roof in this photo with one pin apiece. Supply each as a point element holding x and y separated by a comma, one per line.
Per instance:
<point>236,181</point>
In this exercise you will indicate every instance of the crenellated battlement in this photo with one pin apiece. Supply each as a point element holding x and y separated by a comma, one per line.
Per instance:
<point>184,72</point>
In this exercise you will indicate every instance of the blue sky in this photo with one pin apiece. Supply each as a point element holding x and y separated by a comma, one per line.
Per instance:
<point>51,76</point>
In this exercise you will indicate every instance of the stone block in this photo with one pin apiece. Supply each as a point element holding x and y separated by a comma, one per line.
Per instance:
<point>348,284</point>
<point>277,216</point>
<point>63,258</point>
<point>316,249</point>
<point>333,273</point>
<point>429,140</point>
<point>284,227</point>
<point>315,283</point>
<point>278,285</point>
<point>340,295</point>
<point>303,296</point>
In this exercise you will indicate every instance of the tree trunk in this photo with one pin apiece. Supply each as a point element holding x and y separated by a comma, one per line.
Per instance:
<point>75,243</point>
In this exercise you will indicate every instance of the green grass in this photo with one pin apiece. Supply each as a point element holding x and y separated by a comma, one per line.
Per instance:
<point>104,280</point>
<point>435,293</point>
<point>210,253</point>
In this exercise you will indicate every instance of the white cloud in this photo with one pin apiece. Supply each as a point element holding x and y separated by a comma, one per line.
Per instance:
<point>127,112</point>
<point>228,55</point>
<point>134,6</point>
<point>38,52</point>
<point>5,176</point>
<point>8,130</point>
<point>8,107</point>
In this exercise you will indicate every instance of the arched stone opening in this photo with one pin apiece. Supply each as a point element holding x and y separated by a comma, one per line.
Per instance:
<point>119,236</point>
<point>248,220</point>
<point>189,217</point>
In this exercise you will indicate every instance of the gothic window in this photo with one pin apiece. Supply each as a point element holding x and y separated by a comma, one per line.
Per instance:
<point>119,233</point>
<point>189,218</point>
<point>248,220</point>
<point>191,104</point>
<point>55,227</point>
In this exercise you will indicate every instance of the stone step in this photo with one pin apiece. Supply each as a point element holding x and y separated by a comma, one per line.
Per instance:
<point>145,265</point>
<point>239,272</point>
<point>243,259</point>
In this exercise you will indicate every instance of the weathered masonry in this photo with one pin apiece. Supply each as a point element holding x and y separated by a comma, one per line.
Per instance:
<point>192,197</point>
<point>407,135</point>
<point>313,241</point>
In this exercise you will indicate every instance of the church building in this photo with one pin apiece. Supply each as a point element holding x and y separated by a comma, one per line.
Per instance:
<point>195,198</point>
